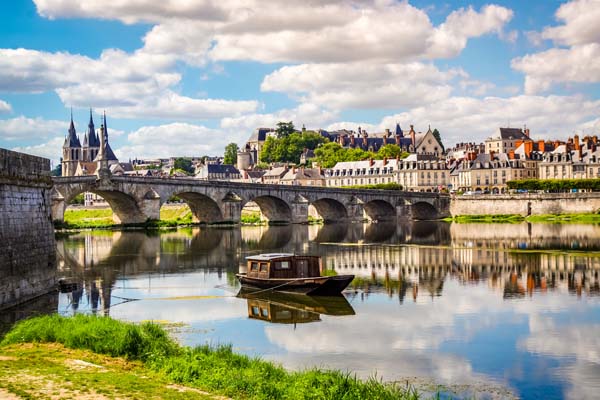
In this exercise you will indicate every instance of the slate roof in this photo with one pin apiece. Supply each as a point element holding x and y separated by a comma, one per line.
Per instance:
<point>509,134</point>
<point>222,169</point>
<point>260,134</point>
<point>72,140</point>
<point>303,174</point>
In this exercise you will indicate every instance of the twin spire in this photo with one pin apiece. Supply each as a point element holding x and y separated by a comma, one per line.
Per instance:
<point>91,138</point>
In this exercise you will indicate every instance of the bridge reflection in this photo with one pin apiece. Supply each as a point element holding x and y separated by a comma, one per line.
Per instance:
<point>415,260</point>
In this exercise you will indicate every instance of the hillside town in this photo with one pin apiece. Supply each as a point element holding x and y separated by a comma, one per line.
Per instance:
<point>422,162</point>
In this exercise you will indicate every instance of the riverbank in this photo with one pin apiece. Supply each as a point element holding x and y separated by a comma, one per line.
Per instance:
<point>581,218</point>
<point>92,356</point>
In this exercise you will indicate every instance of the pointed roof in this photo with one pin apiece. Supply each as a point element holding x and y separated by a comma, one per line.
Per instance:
<point>399,130</point>
<point>93,139</point>
<point>110,156</point>
<point>72,140</point>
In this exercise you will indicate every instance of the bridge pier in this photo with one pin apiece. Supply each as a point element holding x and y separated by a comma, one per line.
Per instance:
<point>356,210</point>
<point>232,210</point>
<point>299,207</point>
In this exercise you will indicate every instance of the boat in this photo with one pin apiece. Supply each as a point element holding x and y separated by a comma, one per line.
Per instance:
<point>291,273</point>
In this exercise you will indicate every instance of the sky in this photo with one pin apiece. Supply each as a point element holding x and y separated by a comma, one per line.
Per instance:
<point>187,77</point>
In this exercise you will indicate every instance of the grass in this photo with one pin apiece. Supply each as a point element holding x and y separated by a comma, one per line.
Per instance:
<point>217,370</point>
<point>251,218</point>
<point>582,218</point>
<point>485,218</point>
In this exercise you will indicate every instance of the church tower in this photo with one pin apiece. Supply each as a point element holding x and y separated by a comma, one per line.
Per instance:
<point>91,142</point>
<point>71,151</point>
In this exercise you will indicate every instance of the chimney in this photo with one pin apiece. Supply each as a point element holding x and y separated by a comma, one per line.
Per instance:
<point>595,139</point>
<point>351,140</point>
<point>491,155</point>
<point>365,140</point>
<point>384,161</point>
<point>526,132</point>
<point>541,146</point>
<point>371,162</point>
<point>412,135</point>
<point>511,154</point>
<point>398,140</point>
<point>576,140</point>
<point>387,133</point>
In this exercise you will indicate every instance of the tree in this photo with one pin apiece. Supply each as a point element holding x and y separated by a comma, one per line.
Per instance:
<point>391,151</point>
<point>436,134</point>
<point>184,164</point>
<point>289,148</point>
<point>56,171</point>
<point>284,129</point>
<point>230,156</point>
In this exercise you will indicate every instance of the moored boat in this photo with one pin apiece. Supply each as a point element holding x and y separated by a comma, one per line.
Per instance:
<point>291,273</point>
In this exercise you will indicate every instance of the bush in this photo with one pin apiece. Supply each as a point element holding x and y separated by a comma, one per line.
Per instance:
<point>555,185</point>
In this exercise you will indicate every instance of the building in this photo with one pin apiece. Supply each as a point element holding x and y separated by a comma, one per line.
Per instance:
<point>304,177</point>
<point>571,160</point>
<point>273,176</point>
<point>423,173</point>
<point>78,158</point>
<point>218,172</point>
<point>505,139</point>
<point>366,172</point>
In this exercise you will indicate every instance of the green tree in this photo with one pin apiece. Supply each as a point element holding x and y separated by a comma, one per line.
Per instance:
<point>284,129</point>
<point>391,151</point>
<point>289,148</point>
<point>184,164</point>
<point>56,171</point>
<point>230,156</point>
<point>436,134</point>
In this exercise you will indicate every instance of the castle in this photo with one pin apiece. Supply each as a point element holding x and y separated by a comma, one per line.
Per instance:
<point>78,159</point>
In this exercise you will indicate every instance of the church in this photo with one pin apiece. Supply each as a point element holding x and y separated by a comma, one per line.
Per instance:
<point>83,159</point>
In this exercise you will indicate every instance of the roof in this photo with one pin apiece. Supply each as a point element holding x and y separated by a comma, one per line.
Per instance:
<point>303,173</point>
<point>72,140</point>
<point>391,162</point>
<point>260,134</point>
<point>269,256</point>
<point>276,172</point>
<point>508,134</point>
<point>221,169</point>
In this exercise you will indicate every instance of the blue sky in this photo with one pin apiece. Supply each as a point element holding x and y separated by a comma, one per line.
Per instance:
<point>187,77</point>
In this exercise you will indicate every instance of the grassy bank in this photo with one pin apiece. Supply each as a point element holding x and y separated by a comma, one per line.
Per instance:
<point>583,218</point>
<point>83,218</point>
<point>216,370</point>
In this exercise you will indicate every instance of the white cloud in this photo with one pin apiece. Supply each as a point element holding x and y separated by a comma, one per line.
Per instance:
<point>359,85</point>
<point>466,118</point>
<point>578,63</point>
<point>176,139</point>
<point>131,85</point>
<point>51,149</point>
<point>308,114</point>
<point>5,108</point>
<point>581,26</point>
<point>31,129</point>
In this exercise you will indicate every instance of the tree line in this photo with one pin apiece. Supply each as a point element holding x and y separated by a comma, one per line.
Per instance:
<point>555,185</point>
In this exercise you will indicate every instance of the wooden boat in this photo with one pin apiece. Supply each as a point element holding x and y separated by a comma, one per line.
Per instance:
<point>291,273</point>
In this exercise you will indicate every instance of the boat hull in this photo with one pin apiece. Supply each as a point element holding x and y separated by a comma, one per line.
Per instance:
<point>313,286</point>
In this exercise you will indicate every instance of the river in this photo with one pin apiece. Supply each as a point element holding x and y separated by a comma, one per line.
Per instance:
<point>484,310</point>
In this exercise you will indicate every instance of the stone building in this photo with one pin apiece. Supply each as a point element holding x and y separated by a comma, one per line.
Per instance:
<point>366,172</point>
<point>218,172</point>
<point>81,159</point>
<point>423,173</point>
<point>574,159</point>
<point>505,139</point>
<point>304,177</point>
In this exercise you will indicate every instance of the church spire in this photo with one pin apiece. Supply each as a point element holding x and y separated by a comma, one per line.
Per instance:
<point>72,140</point>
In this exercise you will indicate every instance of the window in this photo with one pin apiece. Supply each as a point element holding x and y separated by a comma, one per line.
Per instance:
<point>264,312</point>
<point>253,266</point>
<point>255,310</point>
<point>284,265</point>
<point>263,267</point>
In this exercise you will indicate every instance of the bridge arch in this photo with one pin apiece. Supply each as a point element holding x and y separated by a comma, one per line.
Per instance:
<point>330,210</point>
<point>379,210</point>
<point>422,210</point>
<point>125,208</point>
<point>204,208</point>
<point>273,208</point>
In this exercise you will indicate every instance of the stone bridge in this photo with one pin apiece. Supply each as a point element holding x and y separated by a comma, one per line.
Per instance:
<point>138,199</point>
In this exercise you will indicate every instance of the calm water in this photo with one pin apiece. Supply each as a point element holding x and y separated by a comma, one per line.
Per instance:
<point>435,303</point>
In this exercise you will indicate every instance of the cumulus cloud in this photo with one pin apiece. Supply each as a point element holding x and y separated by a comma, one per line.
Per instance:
<point>51,149</point>
<point>359,85</point>
<point>131,85</point>
<point>283,31</point>
<point>31,129</point>
<point>5,108</point>
<point>176,139</point>
<point>308,114</point>
<point>579,63</point>
<point>473,119</point>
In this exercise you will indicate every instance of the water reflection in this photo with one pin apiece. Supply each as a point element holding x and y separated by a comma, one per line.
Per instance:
<point>452,303</point>
<point>288,308</point>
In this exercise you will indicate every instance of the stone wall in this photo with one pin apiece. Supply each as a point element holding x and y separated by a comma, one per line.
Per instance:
<point>526,204</point>
<point>27,247</point>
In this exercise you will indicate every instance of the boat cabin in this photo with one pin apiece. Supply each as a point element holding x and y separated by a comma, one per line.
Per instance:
<point>283,266</point>
<point>278,313</point>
